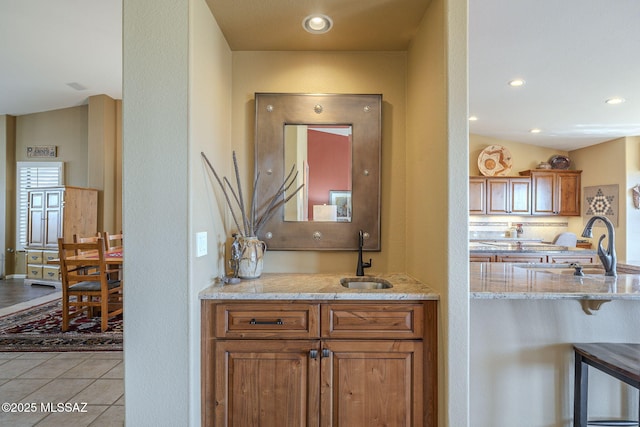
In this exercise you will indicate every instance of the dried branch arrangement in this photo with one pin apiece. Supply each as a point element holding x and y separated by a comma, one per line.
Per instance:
<point>251,222</point>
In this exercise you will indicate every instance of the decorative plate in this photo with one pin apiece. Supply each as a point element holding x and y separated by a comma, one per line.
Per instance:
<point>495,160</point>
<point>559,162</point>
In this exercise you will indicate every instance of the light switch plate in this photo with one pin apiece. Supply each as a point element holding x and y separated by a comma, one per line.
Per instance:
<point>201,243</point>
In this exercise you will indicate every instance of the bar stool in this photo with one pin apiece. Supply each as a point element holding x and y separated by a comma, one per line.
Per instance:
<point>620,360</point>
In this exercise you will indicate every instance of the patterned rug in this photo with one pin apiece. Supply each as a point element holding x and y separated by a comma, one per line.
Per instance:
<point>39,329</point>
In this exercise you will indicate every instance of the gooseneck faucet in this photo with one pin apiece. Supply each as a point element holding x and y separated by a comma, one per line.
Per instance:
<point>361,265</point>
<point>607,257</point>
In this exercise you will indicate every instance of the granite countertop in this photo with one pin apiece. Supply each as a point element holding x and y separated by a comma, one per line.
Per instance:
<point>549,281</point>
<point>308,286</point>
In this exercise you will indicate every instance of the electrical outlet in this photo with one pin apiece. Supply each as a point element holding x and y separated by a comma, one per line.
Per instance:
<point>201,243</point>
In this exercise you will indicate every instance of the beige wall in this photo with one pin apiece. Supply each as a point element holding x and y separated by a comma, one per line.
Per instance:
<point>7,197</point>
<point>632,214</point>
<point>67,129</point>
<point>523,156</point>
<point>605,164</point>
<point>331,72</point>
<point>436,218</point>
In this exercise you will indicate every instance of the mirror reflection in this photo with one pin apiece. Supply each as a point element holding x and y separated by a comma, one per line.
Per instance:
<point>323,157</point>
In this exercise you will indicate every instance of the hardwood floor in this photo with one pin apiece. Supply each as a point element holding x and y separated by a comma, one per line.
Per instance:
<point>14,291</point>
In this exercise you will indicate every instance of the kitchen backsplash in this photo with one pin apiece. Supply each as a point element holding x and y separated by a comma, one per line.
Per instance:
<point>544,230</point>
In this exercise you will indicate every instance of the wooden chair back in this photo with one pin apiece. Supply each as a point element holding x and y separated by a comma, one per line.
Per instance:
<point>86,239</point>
<point>113,240</point>
<point>85,282</point>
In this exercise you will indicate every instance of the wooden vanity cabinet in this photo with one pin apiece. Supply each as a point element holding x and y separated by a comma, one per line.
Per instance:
<point>554,192</point>
<point>328,364</point>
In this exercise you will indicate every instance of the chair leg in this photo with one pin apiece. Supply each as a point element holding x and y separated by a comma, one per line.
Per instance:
<point>65,314</point>
<point>104,315</point>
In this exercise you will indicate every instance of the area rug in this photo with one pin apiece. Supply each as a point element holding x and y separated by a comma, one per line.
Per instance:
<point>39,329</point>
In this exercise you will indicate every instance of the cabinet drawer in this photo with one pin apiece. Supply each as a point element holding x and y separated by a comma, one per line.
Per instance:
<point>521,258</point>
<point>482,258</point>
<point>49,256</point>
<point>34,272</point>
<point>568,259</point>
<point>34,257</point>
<point>51,272</point>
<point>382,320</point>
<point>267,320</point>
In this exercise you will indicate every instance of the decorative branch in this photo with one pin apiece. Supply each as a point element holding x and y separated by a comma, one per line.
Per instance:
<point>222,187</point>
<point>251,223</point>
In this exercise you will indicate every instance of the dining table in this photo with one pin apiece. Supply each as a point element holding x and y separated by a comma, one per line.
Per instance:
<point>112,256</point>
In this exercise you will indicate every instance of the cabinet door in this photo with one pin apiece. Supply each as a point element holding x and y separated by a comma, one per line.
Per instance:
<point>266,383</point>
<point>372,383</point>
<point>520,196</point>
<point>35,231</point>
<point>53,218</point>
<point>498,202</point>
<point>477,196</point>
<point>544,193</point>
<point>569,194</point>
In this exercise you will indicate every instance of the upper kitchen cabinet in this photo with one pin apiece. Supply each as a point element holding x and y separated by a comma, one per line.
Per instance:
<point>477,195</point>
<point>554,192</point>
<point>499,196</point>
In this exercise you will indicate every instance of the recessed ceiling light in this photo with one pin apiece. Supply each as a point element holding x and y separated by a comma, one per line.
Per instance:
<point>473,118</point>
<point>317,24</point>
<point>614,100</point>
<point>535,130</point>
<point>516,83</point>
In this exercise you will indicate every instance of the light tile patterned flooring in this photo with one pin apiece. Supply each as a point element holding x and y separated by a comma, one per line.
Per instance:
<point>41,381</point>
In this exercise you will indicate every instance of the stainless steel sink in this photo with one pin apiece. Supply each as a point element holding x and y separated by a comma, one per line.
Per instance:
<point>365,283</point>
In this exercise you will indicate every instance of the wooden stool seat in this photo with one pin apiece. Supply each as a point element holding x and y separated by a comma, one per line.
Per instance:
<point>620,360</point>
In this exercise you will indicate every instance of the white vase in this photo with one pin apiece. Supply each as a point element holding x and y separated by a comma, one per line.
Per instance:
<point>251,257</point>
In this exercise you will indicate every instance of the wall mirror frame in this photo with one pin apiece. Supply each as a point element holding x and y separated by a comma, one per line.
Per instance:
<point>363,113</point>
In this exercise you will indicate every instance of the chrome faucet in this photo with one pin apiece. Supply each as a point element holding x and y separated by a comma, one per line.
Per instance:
<point>608,258</point>
<point>361,265</point>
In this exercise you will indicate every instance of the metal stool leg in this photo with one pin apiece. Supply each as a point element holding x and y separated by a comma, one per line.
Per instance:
<point>580,392</point>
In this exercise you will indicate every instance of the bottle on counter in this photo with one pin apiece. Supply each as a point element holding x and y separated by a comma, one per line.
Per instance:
<point>519,230</point>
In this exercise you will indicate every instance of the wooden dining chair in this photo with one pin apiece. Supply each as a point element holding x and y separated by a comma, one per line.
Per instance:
<point>83,291</point>
<point>113,240</point>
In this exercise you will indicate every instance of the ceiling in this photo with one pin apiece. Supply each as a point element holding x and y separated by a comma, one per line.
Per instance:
<point>572,54</point>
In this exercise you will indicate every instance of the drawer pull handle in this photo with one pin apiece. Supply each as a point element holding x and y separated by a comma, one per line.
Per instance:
<point>256,322</point>
<point>313,354</point>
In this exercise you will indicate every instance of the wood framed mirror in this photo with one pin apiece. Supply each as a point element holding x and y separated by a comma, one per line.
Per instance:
<point>334,141</point>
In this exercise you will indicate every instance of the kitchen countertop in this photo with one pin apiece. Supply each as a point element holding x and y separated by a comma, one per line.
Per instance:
<point>535,281</point>
<point>309,286</point>
<point>483,247</point>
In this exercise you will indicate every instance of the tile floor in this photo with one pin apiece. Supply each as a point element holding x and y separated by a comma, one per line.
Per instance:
<point>90,383</point>
<point>43,380</point>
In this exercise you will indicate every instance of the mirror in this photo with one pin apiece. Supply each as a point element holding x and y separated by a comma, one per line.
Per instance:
<point>322,155</point>
<point>333,142</point>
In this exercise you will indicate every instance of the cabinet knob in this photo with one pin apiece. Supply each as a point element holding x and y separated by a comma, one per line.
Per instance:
<point>325,352</point>
<point>313,354</point>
